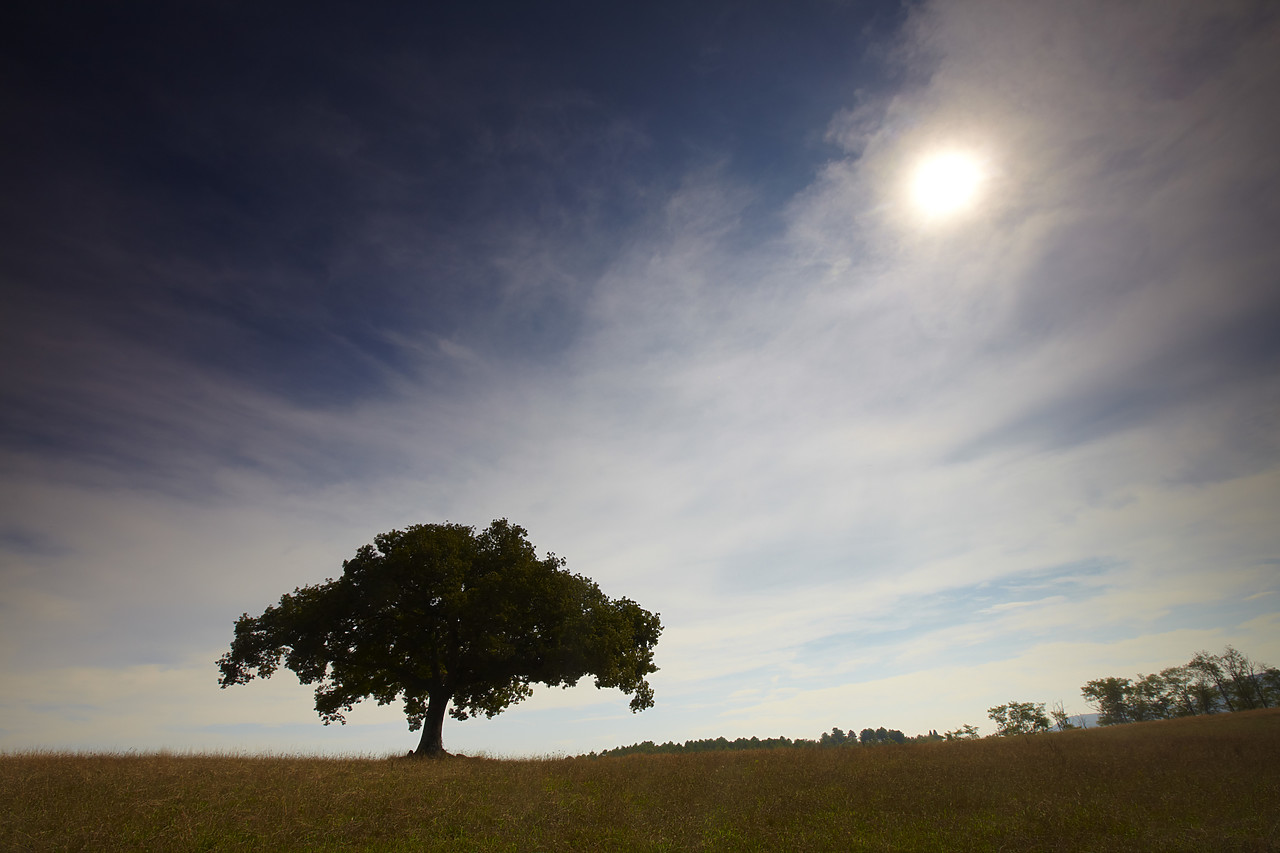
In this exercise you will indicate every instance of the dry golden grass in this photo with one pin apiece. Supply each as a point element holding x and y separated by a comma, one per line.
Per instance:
<point>1209,783</point>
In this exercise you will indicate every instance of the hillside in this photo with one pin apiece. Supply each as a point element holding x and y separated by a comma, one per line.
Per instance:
<point>1203,783</point>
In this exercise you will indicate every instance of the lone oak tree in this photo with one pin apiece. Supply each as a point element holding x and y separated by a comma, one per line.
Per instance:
<point>436,614</point>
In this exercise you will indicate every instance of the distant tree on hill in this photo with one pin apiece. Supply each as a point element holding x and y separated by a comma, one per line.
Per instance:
<point>965,732</point>
<point>1061,719</point>
<point>1180,690</point>
<point>438,614</point>
<point>1149,698</point>
<point>872,737</point>
<point>1110,698</point>
<point>1019,718</point>
<point>836,737</point>
<point>1247,680</point>
<point>1209,667</point>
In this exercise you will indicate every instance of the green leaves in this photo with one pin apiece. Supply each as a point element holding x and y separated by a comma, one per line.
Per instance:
<point>1019,718</point>
<point>438,612</point>
<point>1206,684</point>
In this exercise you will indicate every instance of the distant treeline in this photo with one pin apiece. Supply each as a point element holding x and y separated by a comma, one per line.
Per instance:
<point>1207,684</point>
<point>835,737</point>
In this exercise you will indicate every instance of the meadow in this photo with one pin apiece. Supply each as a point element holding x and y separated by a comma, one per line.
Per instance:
<point>1196,784</point>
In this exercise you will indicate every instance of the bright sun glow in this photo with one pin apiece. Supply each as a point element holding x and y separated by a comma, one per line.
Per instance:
<point>946,183</point>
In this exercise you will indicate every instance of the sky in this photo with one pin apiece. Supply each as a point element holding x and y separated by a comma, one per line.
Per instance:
<point>657,282</point>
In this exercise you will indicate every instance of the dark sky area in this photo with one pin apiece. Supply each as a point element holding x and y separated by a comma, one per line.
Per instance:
<point>271,189</point>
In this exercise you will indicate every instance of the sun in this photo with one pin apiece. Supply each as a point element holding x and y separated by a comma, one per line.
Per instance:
<point>946,183</point>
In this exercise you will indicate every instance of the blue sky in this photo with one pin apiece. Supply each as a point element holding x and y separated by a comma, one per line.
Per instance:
<point>649,280</point>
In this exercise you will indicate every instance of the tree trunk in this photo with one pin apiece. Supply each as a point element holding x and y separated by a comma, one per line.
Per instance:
<point>432,744</point>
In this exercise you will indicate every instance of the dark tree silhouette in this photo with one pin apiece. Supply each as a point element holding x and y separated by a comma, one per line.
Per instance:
<point>1019,718</point>
<point>1206,684</point>
<point>438,614</point>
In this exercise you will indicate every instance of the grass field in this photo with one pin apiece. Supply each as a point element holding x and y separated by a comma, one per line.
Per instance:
<point>1199,784</point>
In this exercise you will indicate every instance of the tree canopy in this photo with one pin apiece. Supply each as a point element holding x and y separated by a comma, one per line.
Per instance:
<point>1207,684</point>
<point>1019,718</point>
<point>438,614</point>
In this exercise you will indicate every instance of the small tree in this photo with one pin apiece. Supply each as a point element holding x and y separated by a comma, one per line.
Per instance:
<point>1151,698</point>
<point>836,737</point>
<point>1246,679</point>
<point>436,614</point>
<point>1180,691</point>
<point>1061,719</point>
<point>1110,698</point>
<point>1209,668</point>
<point>1019,718</point>
<point>965,732</point>
<point>869,737</point>
<point>1270,682</point>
